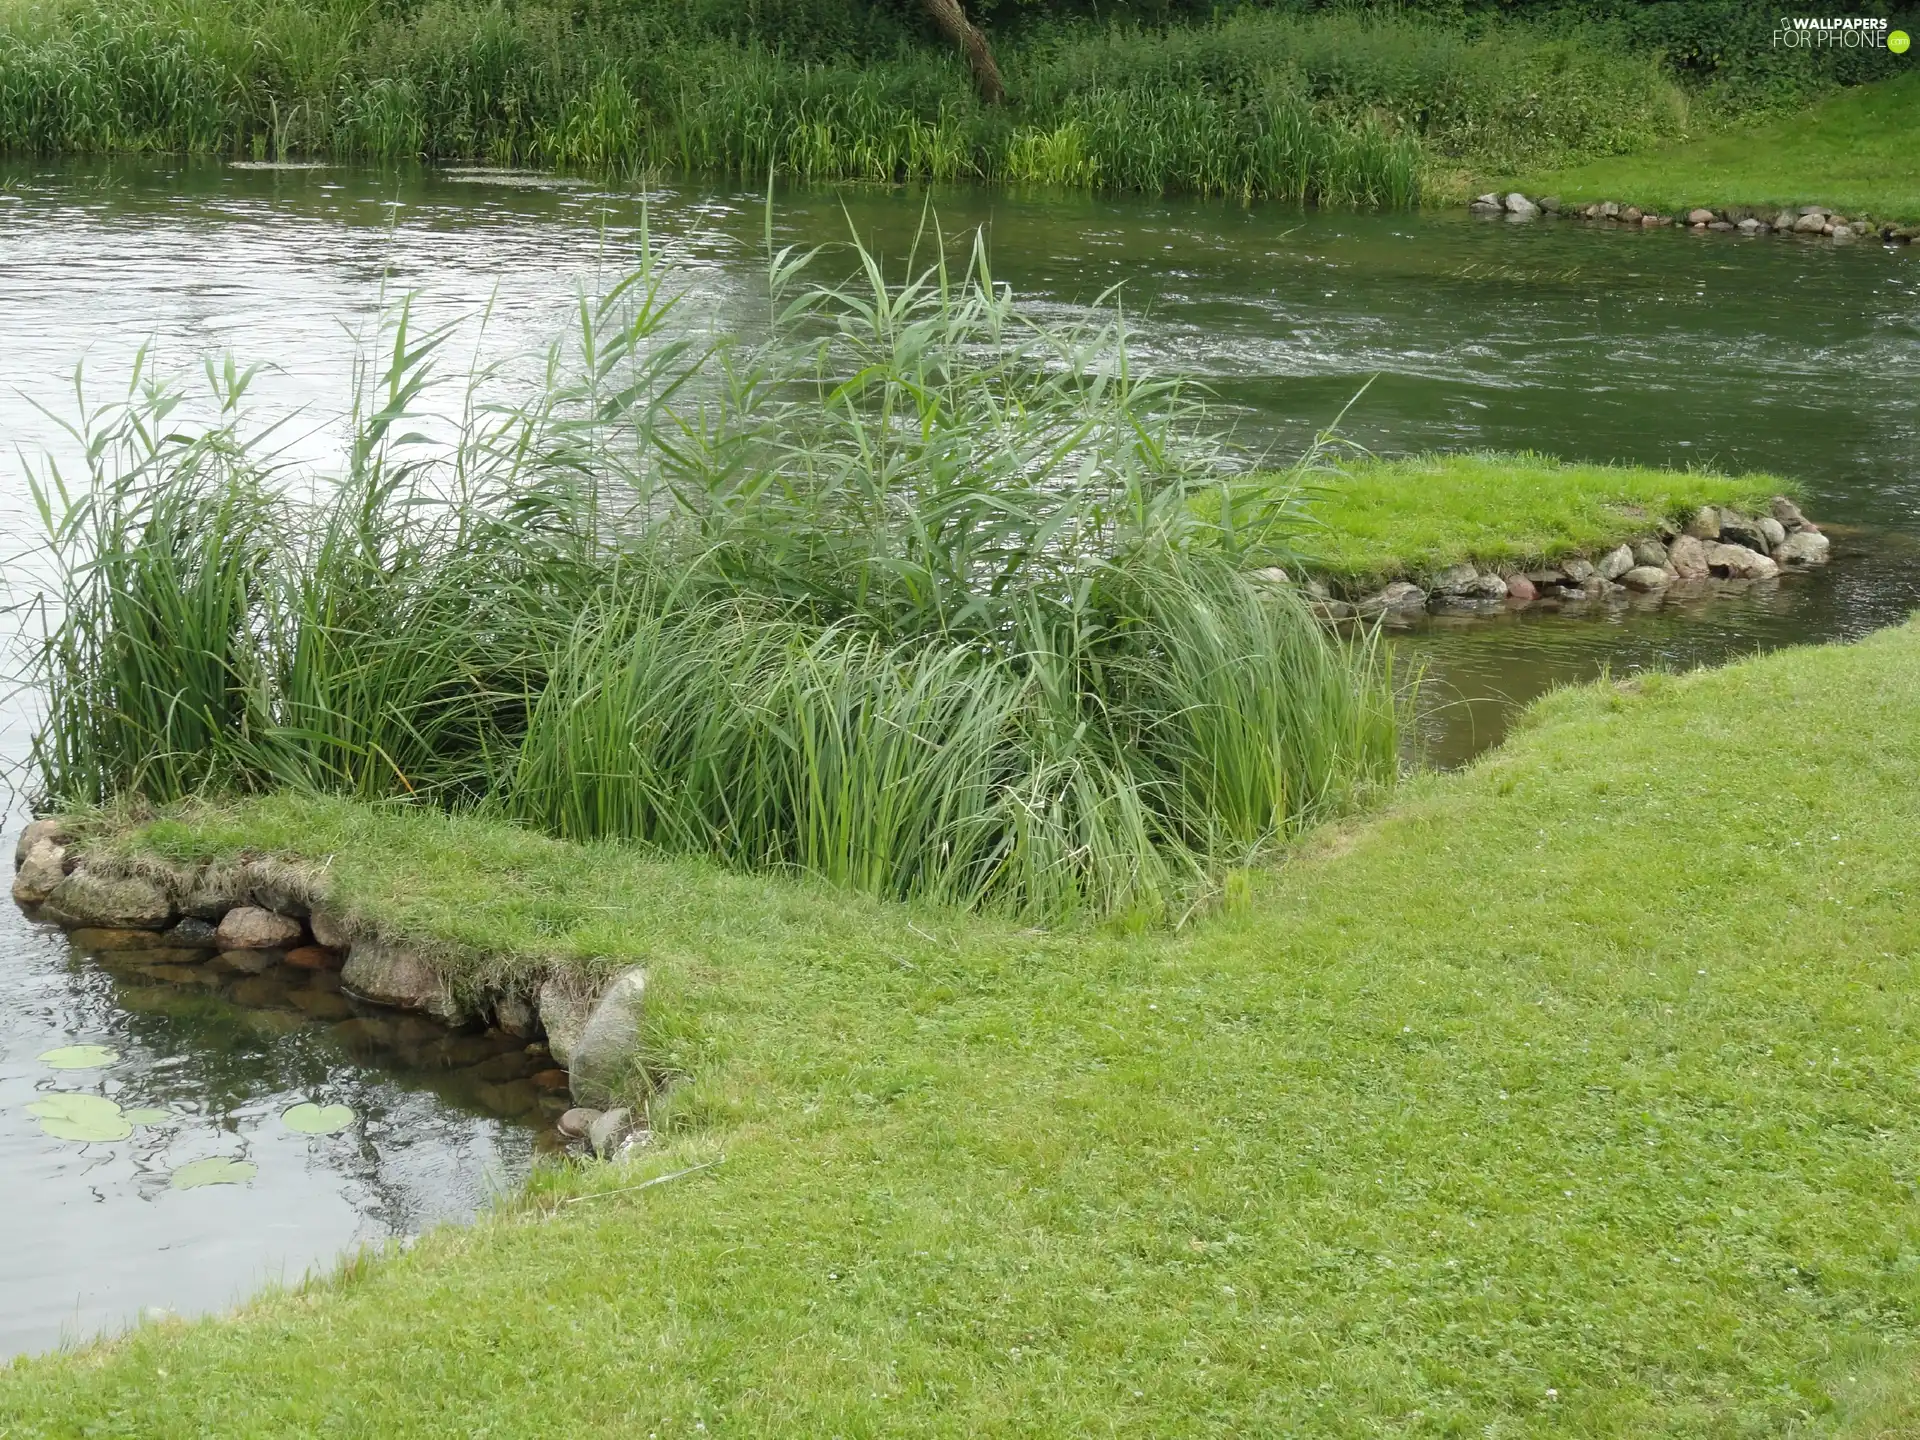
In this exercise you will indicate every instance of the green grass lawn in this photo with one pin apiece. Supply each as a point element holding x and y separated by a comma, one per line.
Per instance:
<point>1389,518</point>
<point>1577,1093</point>
<point>1858,151</point>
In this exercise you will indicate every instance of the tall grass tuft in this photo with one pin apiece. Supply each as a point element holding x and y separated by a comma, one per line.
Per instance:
<point>913,592</point>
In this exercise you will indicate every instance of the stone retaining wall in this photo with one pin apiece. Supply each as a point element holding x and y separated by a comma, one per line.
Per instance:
<point>250,912</point>
<point>1812,221</point>
<point>1713,547</point>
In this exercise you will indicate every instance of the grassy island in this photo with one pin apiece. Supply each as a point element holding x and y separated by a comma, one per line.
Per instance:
<point>1572,1094</point>
<point>1413,516</point>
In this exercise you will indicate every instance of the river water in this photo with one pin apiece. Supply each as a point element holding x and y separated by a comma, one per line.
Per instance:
<point>1659,347</point>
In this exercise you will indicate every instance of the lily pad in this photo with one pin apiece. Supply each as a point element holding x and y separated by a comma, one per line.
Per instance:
<point>86,1118</point>
<point>147,1115</point>
<point>215,1170</point>
<point>310,1119</point>
<point>79,1057</point>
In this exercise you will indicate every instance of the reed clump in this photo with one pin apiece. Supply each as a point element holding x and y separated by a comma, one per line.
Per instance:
<point>911,591</point>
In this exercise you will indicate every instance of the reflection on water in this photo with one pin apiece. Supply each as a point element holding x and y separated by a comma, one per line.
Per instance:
<point>1476,671</point>
<point>1660,348</point>
<point>210,1055</point>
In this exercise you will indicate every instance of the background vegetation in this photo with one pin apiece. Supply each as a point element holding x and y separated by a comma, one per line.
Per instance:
<point>912,593</point>
<point>1345,104</point>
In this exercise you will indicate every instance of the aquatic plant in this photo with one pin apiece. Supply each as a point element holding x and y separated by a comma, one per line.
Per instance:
<point>914,591</point>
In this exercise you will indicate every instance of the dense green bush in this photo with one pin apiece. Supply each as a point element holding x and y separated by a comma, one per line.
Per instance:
<point>1262,103</point>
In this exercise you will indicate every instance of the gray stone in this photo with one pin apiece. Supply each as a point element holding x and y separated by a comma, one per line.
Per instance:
<point>576,1122</point>
<point>395,975</point>
<point>1819,210</point>
<point>604,1056</point>
<point>276,885</point>
<point>1842,235</point>
<point>128,902</point>
<point>56,830</point>
<point>1520,205</point>
<point>606,1132</point>
<point>1633,215</point>
<point>329,927</point>
<point>40,873</point>
<point>1705,524</point>
<point>1772,529</point>
<point>1751,226</point>
<point>1608,209</point>
<point>1488,586</point>
<point>1615,563</point>
<point>1400,595</point>
<point>1740,562</point>
<point>1688,556</point>
<point>564,1003</point>
<point>1649,552</point>
<point>1268,575</point>
<point>1701,217</point>
<point>220,886</point>
<point>1455,580</point>
<point>1736,529</point>
<point>249,927</point>
<point>1489,200</point>
<point>1810,224</point>
<point>1788,514</point>
<point>1784,220</point>
<point>1550,204</point>
<point>1547,575</point>
<point>1645,578</point>
<point>194,934</point>
<point>1803,547</point>
<point>517,1015</point>
<point>1579,569</point>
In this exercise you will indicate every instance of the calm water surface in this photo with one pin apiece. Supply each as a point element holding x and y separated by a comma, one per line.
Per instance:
<point>1660,348</point>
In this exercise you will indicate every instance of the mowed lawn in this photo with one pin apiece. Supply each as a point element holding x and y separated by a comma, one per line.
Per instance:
<point>1858,150</point>
<point>1574,1094</point>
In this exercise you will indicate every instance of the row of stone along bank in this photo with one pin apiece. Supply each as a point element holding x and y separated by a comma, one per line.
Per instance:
<point>1714,546</point>
<point>263,917</point>
<point>1814,221</point>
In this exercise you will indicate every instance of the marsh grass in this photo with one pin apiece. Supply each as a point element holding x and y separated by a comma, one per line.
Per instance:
<point>913,592</point>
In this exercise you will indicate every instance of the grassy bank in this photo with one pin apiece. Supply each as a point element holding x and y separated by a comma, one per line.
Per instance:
<point>1332,107</point>
<point>1853,150</point>
<point>1414,516</point>
<point>1574,1094</point>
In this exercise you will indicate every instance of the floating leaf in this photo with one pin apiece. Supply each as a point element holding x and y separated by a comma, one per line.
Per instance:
<point>216,1170</point>
<point>79,1057</point>
<point>85,1118</point>
<point>312,1119</point>
<point>147,1115</point>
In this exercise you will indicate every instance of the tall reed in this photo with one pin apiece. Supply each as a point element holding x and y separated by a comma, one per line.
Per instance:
<point>914,592</point>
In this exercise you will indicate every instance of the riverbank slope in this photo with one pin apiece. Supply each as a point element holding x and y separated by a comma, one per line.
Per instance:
<point>1854,150</point>
<point>1574,1093</point>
